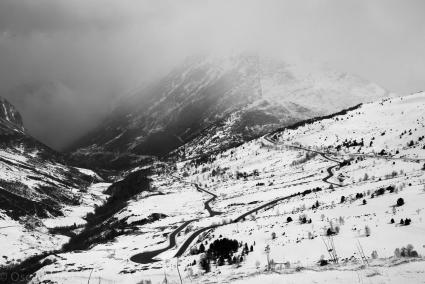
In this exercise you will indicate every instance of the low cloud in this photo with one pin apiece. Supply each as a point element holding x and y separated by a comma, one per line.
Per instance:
<point>65,62</point>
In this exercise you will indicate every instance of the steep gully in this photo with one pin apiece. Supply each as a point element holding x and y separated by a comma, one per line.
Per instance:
<point>148,256</point>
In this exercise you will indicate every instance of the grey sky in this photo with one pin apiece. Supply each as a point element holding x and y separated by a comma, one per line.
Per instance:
<point>64,61</point>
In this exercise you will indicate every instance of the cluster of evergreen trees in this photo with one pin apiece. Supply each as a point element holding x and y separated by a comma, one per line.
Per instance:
<point>222,251</point>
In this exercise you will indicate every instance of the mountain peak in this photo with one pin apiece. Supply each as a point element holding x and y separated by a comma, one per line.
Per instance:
<point>10,118</point>
<point>244,95</point>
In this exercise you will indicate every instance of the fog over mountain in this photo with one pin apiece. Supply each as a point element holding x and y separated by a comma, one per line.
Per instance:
<point>64,63</point>
<point>212,141</point>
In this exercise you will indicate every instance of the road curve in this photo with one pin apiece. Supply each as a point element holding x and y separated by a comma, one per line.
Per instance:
<point>207,203</point>
<point>189,240</point>
<point>323,154</point>
<point>330,172</point>
<point>148,256</point>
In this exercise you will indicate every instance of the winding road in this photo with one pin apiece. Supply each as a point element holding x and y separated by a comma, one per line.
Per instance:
<point>148,257</point>
<point>207,204</point>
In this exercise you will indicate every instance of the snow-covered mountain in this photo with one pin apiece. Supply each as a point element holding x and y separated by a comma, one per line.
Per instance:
<point>222,101</point>
<point>10,119</point>
<point>329,200</point>
<point>38,190</point>
<point>33,173</point>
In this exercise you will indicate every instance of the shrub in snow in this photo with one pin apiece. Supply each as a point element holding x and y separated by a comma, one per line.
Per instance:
<point>202,248</point>
<point>342,199</point>
<point>193,251</point>
<point>367,231</point>
<point>397,253</point>
<point>323,261</point>
<point>289,219</point>
<point>400,202</point>
<point>273,235</point>
<point>391,188</point>
<point>407,251</point>
<point>220,261</point>
<point>380,191</point>
<point>392,221</point>
<point>336,229</point>
<point>235,260</point>
<point>364,202</point>
<point>204,263</point>
<point>330,232</point>
<point>245,249</point>
<point>374,254</point>
<point>302,218</point>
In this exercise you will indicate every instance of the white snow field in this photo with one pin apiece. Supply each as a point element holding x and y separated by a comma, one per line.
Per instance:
<point>30,235</point>
<point>341,195</point>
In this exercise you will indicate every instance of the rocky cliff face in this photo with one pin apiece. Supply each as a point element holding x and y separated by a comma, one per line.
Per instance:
<point>10,118</point>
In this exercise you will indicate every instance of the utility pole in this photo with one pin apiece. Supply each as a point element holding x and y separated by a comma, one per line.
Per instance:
<point>165,281</point>
<point>181,281</point>
<point>267,250</point>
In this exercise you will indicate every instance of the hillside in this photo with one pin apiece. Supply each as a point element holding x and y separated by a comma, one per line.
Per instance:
<point>38,191</point>
<point>222,101</point>
<point>340,198</point>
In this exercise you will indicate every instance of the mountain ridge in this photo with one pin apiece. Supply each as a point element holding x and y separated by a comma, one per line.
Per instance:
<point>253,95</point>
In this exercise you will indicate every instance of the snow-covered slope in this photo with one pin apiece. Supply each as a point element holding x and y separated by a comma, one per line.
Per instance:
<point>314,205</point>
<point>240,96</point>
<point>38,190</point>
<point>393,127</point>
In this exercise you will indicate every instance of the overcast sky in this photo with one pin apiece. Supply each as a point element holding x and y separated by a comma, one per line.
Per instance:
<point>64,61</point>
